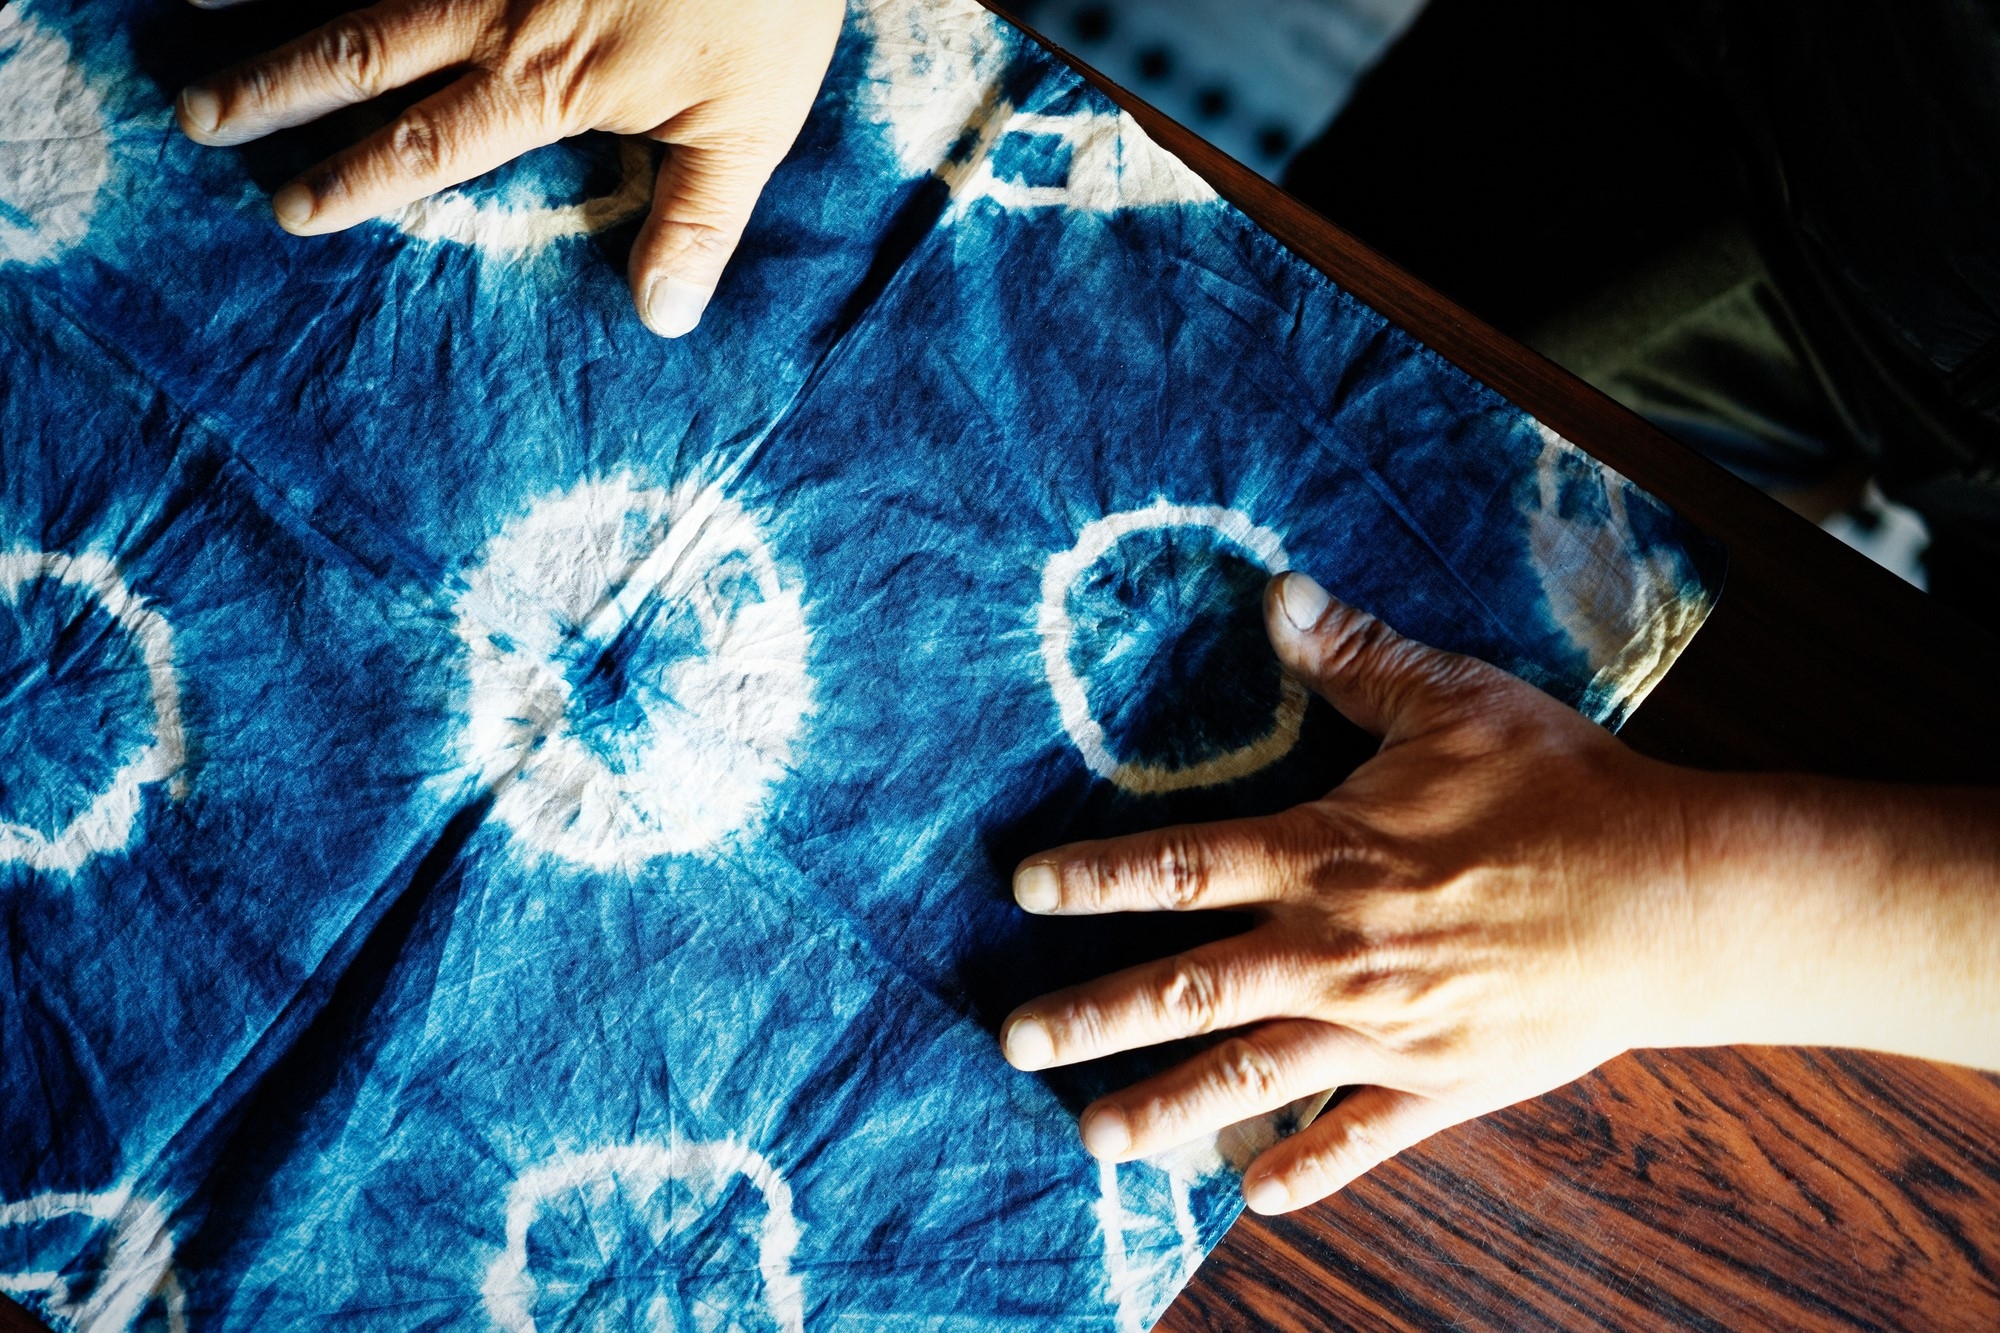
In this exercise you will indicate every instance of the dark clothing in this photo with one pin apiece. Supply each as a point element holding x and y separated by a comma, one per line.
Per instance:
<point>1805,194</point>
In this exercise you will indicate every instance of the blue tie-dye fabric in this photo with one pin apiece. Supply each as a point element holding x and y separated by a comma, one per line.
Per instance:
<point>504,820</point>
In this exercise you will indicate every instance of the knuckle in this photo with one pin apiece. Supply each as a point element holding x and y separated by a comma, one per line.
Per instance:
<point>351,50</point>
<point>417,145</point>
<point>1325,842</point>
<point>1328,828</point>
<point>1368,977</point>
<point>1189,996</point>
<point>548,82</point>
<point>1180,873</point>
<point>1153,1118</point>
<point>1353,1149</point>
<point>1376,976</point>
<point>1338,1157</point>
<point>1308,1169</point>
<point>1246,1071</point>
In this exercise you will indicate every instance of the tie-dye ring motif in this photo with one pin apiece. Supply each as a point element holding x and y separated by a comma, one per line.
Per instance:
<point>562,783</point>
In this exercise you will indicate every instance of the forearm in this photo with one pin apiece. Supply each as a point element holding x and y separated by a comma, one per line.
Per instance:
<point>1844,914</point>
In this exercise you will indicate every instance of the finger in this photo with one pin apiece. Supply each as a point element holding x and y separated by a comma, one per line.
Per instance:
<point>1389,685</point>
<point>355,58</point>
<point>1242,1077</point>
<point>1223,985</point>
<point>701,205</point>
<point>464,130</point>
<point>1350,1139</point>
<point>1192,867</point>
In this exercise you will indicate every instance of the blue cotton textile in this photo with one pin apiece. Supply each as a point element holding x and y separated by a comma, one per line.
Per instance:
<point>505,820</point>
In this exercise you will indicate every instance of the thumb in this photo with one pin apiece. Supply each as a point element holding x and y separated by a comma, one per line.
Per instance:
<point>701,204</point>
<point>1388,685</point>
<point>1353,1137</point>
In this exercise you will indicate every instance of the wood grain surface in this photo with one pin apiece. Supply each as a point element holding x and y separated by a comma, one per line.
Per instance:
<point>1727,1190</point>
<point>1721,1189</point>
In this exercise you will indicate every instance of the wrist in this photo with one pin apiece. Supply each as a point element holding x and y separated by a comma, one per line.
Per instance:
<point>1754,866</point>
<point>1830,913</point>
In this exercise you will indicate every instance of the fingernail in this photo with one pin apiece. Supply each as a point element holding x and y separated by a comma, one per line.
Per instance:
<point>1106,1134</point>
<point>1027,1044</point>
<point>293,206</point>
<point>201,110</point>
<point>1304,601</point>
<point>673,307</point>
<point>1037,889</point>
<point>1266,1195</point>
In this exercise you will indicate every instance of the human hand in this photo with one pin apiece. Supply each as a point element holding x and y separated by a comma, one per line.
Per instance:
<point>725,83</point>
<point>1494,904</point>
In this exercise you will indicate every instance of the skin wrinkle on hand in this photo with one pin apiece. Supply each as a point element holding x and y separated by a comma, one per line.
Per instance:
<point>1539,861</point>
<point>725,86</point>
<point>927,92</point>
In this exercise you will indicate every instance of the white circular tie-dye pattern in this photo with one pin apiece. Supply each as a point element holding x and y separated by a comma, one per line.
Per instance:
<point>702,738</point>
<point>509,225</point>
<point>137,1268</point>
<point>934,81</point>
<point>55,152</point>
<point>638,1175</point>
<point>106,824</point>
<point>1056,632</point>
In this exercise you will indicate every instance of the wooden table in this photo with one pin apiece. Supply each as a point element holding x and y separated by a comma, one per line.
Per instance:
<point>1725,1189</point>
<point>1717,1189</point>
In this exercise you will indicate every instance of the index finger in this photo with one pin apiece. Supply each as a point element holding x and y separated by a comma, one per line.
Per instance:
<point>355,58</point>
<point>1192,867</point>
<point>448,138</point>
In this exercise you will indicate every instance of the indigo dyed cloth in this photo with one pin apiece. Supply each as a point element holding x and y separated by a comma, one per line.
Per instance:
<point>505,820</point>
